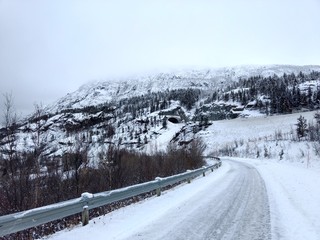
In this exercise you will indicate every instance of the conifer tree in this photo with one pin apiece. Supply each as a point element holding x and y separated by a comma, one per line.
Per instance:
<point>302,127</point>
<point>165,122</point>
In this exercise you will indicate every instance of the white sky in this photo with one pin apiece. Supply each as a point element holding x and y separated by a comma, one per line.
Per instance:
<point>50,48</point>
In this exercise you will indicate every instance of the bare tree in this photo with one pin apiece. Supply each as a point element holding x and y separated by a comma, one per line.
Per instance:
<point>195,153</point>
<point>9,181</point>
<point>10,127</point>
<point>39,120</point>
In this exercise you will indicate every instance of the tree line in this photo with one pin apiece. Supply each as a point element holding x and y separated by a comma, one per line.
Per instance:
<point>283,94</point>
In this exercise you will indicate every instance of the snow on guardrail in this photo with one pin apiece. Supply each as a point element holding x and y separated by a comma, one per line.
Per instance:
<point>23,220</point>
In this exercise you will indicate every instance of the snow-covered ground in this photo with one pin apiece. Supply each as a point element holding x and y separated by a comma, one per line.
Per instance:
<point>294,197</point>
<point>247,136</point>
<point>292,187</point>
<point>165,135</point>
<point>229,131</point>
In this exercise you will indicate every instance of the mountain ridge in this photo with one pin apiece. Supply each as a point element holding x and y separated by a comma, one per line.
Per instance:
<point>102,91</point>
<point>87,120</point>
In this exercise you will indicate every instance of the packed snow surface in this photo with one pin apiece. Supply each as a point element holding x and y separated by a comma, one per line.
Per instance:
<point>294,197</point>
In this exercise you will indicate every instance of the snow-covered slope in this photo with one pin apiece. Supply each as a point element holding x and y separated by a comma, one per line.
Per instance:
<point>98,92</point>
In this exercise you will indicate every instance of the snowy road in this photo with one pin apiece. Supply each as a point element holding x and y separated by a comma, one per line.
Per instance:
<point>237,209</point>
<point>230,203</point>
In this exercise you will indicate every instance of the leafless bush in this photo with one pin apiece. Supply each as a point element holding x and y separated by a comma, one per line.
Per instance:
<point>278,135</point>
<point>316,148</point>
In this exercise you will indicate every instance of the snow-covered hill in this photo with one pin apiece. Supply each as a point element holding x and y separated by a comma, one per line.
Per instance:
<point>98,92</point>
<point>105,113</point>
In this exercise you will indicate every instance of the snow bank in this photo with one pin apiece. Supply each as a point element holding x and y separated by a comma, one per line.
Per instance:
<point>294,196</point>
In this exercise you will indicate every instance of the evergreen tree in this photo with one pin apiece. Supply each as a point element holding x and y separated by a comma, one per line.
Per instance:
<point>165,122</point>
<point>310,99</point>
<point>302,127</point>
<point>317,117</point>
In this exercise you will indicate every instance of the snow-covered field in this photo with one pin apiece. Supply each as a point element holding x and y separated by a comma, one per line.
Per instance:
<point>253,134</point>
<point>228,131</point>
<point>292,188</point>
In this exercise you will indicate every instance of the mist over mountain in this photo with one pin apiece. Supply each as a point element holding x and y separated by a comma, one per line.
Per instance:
<point>99,92</point>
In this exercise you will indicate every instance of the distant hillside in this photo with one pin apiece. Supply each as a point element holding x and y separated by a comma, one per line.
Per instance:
<point>135,113</point>
<point>99,92</point>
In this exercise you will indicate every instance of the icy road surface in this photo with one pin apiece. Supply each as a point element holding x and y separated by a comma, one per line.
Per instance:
<point>230,203</point>
<point>236,209</point>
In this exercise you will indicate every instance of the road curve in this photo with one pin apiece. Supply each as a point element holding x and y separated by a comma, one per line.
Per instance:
<point>237,209</point>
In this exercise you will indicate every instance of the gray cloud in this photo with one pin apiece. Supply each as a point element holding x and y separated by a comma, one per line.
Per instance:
<point>49,48</point>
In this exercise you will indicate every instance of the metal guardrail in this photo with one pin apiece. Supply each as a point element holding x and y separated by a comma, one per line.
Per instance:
<point>23,220</point>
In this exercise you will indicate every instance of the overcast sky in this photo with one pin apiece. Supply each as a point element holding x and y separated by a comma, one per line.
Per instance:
<point>51,47</point>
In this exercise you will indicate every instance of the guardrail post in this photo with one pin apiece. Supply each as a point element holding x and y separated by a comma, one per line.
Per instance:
<point>85,216</point>
<point>204,171</point>
<point>85,211</point>
<point>189,179</point>
<point>158,190</point>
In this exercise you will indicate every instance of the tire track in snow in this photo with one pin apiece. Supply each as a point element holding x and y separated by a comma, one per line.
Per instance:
<point>236,209</point>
